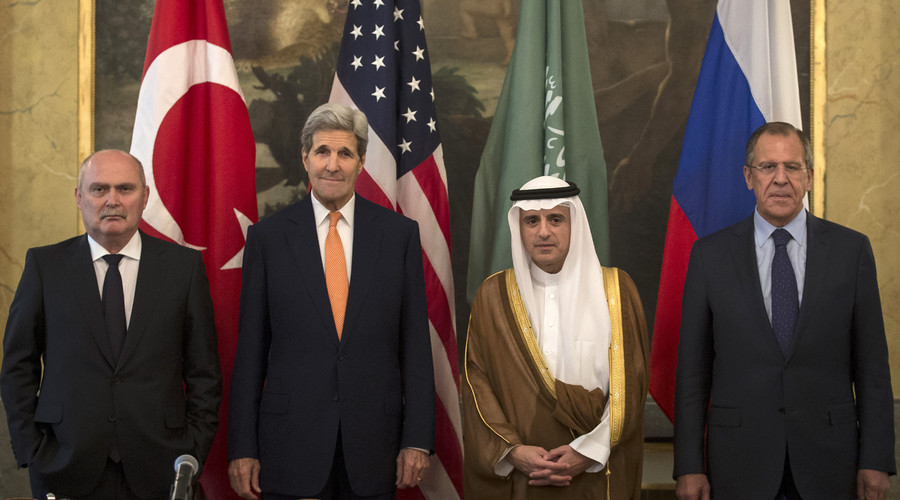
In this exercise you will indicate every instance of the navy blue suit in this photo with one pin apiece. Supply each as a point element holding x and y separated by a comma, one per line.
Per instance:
<point>295,384</point>
<point>741,406</point>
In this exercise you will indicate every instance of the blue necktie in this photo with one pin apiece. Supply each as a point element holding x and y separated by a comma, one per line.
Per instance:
<point>785,304</point>
<point>114,305</point>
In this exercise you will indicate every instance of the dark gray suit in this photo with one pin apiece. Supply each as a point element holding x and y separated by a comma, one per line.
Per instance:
<point>159,402</point>
<point>829,404</point>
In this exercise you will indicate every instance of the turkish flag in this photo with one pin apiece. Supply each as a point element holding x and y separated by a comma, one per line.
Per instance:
<point>192,134</point>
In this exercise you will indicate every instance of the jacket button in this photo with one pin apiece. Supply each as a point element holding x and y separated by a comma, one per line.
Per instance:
<point>111,418</point>
<point>781,411</point>
<point>335,398</point>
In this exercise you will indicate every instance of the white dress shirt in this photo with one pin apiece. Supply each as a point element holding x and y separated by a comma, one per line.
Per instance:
<point>128,268</point>
<point>344,228</point>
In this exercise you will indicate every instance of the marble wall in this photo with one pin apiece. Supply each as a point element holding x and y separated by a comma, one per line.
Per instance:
<point>861,123</point>
<point>38,132</point>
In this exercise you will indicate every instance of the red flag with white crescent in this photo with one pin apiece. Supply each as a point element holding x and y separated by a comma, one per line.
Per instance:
<point>192,133</point>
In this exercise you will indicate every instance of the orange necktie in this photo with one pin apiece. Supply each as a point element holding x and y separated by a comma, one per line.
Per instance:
<point>336,272</point>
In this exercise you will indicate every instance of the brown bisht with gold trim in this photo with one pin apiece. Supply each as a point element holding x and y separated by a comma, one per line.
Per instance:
<point>510,397</point>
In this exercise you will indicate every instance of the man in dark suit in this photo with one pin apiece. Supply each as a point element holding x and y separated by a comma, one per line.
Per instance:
<point>122,325</point>
<point>332,394</point>
<point>783,387</point>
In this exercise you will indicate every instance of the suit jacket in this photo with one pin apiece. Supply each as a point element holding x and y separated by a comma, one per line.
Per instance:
<point>159,402</point>
<point>734,383</point>
<point>294,384</point>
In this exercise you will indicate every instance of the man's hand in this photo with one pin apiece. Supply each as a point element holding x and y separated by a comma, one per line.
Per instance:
<point>534,462</point>
<point>244,476</point>
<point>872,484</point>
<point>575,463</point>
<point>411,467</point>
<point>692,487</point>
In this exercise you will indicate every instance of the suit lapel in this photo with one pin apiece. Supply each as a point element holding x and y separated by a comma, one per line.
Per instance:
<point>151,277</point>
<point>303,242</point>
<point>367,235</point>
<point>84,282</point>
<point>744,254</point>
<point>816,269</point>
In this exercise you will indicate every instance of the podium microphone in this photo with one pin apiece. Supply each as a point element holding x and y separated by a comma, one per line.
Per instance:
<point>185,468</point>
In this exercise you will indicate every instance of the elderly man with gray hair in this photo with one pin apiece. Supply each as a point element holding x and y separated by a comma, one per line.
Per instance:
<point>332,394</point>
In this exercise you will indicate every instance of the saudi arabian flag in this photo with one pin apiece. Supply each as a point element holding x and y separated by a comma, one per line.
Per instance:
<point>545,124</point>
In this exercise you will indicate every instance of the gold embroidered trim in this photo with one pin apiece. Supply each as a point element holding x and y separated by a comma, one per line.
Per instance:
<point>616,356</point>
<point>527,332</point>
<point>472,389</point>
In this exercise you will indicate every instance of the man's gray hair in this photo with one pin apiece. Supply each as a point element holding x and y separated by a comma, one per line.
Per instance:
<point>785,130</point>
<point>333,116</point>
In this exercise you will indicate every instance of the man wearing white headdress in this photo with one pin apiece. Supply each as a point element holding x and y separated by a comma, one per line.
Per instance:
<point>556,363</point>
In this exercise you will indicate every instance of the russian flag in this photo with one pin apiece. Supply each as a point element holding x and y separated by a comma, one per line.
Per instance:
<point>748,77</point>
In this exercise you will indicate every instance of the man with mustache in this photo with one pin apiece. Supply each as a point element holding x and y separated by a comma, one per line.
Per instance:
<point>332,394</point>
<point>783,386</point>
<point>110,368</point>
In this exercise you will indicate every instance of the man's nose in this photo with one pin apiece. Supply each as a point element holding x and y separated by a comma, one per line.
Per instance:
<point>331,164</point>
<point>543,229</point>
<point>112,197</point>
<point>781,175</point>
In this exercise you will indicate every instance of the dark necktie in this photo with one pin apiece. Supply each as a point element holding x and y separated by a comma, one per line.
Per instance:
<point>114,305</point>
<point>785,304</point>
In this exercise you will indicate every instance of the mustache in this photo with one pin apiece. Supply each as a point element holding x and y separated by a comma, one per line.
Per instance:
<point>112,212</point>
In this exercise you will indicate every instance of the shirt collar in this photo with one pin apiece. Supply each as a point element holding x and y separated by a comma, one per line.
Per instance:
<point>132,249</point>
<point>763,229</point>
<point>320,213</point>
<point>541,277</point>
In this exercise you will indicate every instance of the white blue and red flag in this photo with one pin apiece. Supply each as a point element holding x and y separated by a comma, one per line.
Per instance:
<point>383,69</point>
<point>748,77</point>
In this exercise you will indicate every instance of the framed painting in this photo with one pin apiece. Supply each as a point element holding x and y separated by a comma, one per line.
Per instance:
<point>645,57</point>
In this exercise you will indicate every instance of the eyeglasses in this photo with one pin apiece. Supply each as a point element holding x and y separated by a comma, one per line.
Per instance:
<point>768,169</point>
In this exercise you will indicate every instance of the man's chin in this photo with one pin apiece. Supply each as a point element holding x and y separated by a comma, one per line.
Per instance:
<point>114,225</point>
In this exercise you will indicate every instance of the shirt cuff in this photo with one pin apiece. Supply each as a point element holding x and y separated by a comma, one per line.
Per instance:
<point>504,467</point>
<point>595,444</point>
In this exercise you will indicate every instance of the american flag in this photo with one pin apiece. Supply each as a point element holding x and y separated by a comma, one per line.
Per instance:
<point>383,69</point>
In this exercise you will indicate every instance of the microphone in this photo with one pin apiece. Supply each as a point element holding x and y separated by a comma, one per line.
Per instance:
<point>185,468</point>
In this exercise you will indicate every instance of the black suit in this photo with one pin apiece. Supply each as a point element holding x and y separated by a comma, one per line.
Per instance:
<point>734,383</point>
<point>161,400</point>
<point>295,384</point>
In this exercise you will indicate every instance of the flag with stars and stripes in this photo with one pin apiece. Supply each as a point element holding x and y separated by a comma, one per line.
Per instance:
<point>383,70</point>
